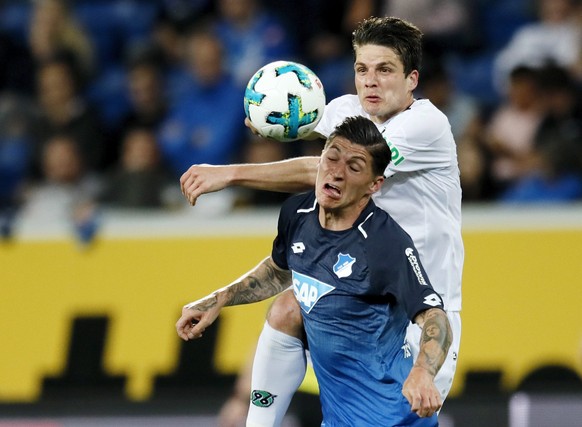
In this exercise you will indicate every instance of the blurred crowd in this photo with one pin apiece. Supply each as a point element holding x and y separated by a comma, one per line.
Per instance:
<point>105,103</point>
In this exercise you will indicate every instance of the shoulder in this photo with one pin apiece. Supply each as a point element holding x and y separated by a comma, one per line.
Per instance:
<point>344,101</point>
<point>424,115</point>
<point>337,110</point>
<point>379,227</point>
<point>421,124</point>
<point>298,203</point>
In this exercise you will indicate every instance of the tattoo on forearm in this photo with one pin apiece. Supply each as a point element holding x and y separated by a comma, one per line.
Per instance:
<point>263,282</point>
<point>435,340</point>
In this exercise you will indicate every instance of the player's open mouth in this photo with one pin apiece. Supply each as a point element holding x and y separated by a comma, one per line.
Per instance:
<point>332,190</point>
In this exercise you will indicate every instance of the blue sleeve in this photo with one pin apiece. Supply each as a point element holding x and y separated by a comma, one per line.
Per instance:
<point>279,252</point>
<point>414,290</point>
<point>398,271</point>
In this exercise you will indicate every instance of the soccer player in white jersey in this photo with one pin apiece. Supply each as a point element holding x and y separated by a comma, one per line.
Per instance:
<point>358,298</point>
<point>422,193</point>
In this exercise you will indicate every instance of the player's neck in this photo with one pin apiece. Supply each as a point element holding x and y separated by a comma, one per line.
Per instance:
<point>340,219</point>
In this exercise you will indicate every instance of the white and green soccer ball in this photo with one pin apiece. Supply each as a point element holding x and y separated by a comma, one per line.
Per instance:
<point>284,100</point>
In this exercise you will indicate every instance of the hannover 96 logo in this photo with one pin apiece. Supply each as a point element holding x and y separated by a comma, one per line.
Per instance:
<point>262,398</point>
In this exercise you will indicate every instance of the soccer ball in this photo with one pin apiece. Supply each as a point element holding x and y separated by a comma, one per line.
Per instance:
<point>284,100</point>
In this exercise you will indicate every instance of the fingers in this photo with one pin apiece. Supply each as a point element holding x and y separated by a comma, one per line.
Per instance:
<point>425,406</point>
<point>188,328</point>
<point>424,403</point>
<point>251,127</point>
<point>189,186</point>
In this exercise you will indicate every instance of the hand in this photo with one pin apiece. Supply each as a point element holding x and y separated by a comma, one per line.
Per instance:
<point>255,132</point>
<point>421,393</point>
<point>253,129</point>
<point>202,179</point>
<point>196,317</point>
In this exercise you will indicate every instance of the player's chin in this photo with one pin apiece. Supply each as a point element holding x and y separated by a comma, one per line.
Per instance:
<point>327,202</point>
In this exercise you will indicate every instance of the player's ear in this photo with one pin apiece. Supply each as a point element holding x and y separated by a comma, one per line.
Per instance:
<point>412,80</point>
<point>377,183</point>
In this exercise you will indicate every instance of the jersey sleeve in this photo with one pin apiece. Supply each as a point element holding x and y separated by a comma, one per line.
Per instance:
<point>280,246</point>
<point>336,111</point>
<point>279,251</point>
<point>414,289</point>
<point>398,271</point>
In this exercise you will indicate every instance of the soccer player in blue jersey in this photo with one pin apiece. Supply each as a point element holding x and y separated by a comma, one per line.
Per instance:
<point>358,279</point>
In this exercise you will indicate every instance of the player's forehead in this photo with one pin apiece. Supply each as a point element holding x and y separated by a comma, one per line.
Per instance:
<point>373,56</point>
<point>347,149</point>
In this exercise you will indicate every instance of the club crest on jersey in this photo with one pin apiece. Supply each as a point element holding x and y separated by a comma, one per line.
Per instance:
<point>308,290</point>
<point>343,266</point>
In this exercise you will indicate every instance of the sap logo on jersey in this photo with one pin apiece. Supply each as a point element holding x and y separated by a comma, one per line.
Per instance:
<point>308,290</point>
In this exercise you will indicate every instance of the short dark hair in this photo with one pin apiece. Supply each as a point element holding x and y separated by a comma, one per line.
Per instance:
<point>395,33</point>
<point>362,131</point>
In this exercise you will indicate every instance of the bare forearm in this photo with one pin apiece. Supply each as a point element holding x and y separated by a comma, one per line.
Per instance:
<point>261,283</point>
<point>293,175</point>
<point>435,340</point>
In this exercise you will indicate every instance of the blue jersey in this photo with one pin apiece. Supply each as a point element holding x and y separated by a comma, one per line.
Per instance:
<point>357,289</point>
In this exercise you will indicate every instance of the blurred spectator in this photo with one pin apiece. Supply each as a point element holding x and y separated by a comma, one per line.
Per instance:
<point>53,28</point>
<point>437,85</point>
<point>328,48</point>
<point>445,23</point>
<point>15,121</point>
<point>562,99</point>
<point>261,150</point>
<point>555,38</point>
<point>66,192</point>
<point>168,40</point>
<point>207,123</point>
<point>474,165</point>
<point>139,180</point>
<point>553,181</point>
<point>510,131</point>
<point>252,37</point>
<point>557,175</point>
<point>146,91</point>
<point>144,101</point>
<point>63,109</point>
<point>15,147</point>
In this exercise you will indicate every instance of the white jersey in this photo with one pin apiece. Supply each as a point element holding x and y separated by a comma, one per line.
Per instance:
<point>422,191</point>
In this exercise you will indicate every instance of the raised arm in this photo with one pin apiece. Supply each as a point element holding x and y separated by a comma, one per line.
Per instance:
<point>293,175</point>
<point>260,283</point>
<point>435,341</point>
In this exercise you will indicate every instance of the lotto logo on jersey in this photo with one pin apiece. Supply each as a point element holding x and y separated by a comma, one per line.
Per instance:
<point>308,290</point>
<point>409,252</point>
